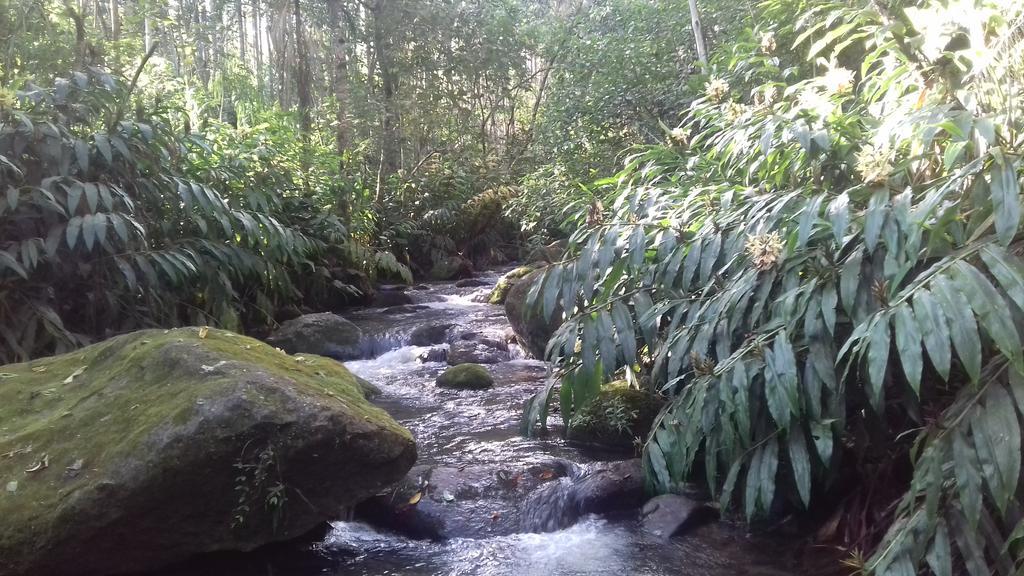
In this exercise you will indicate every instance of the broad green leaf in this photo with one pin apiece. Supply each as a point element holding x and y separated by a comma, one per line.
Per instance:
<point>991,309</point>
<point>1005,190</point>
<point>1008,271</point>
<point>963,329</point>
<point>73,231</point>
<point>874,216</point>
<point>908,345</point>
<point>800,460</point>
<point>997,441</point>
<point>839,216</point>
<point>934,331</point>
<point>552,287</point>
<point>940,556</point>
<point>624,331</point>
<point>878,360</point>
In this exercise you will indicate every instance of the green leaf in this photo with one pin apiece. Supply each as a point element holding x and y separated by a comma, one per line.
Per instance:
<point>74,196</point>
<point>997,441</point>
<point>968,476</point>
<point>8,261</point>
<point>934,330</point>
<point>91,195</point>
<point>74,229</point>
<point>849,281</point>
<point>1007,270</point>
<point>88,230</point>
<point>878,360</point>
<point>785,372</point>
<point>12,197</point>
<point>940,557</point>
<point>1005,190</point>
<point>624,331</point>
<point>552,287</point>
<point>963,328</point>
<point>801,462</point>
<point>991,309</point>
<point>908,345</point>
<point>874,217</point>
<point>103,145</point>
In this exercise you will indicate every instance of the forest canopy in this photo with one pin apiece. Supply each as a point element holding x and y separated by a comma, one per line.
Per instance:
<point>797,221</point>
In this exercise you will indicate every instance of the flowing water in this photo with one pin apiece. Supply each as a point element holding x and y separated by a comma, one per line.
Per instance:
<point>477,430</point>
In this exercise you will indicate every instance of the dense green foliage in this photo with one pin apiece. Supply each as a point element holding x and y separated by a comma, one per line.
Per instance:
<point>811,247</point>
<point>821,271</point>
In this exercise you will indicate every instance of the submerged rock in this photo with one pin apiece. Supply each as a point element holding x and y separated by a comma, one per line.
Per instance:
<point>475,352</point>
<point>466,377</point>
<point>323,334</point>
<point>501,289</point>
<point>158,445</point>
<point>615,418</point>
<point>440,502</point>
<point>470,283</point>
<point>597,488</point>
<point>430,334</point>
<point>531,328</point>
<point>393,297</point>
<point>669,514</point>
<point>452,268</point>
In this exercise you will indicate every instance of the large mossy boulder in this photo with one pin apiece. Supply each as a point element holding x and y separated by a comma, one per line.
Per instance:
<point>615,418</point>
<point>466,377</point>
<point>501,289</point>
<point>157,445</point>
<point>323,334</point>
<point>532,330</point>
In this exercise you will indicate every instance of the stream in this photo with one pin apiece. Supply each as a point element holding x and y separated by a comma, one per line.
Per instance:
<point>472,431</point>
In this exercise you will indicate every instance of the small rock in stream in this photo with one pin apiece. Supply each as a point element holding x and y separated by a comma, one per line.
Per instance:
<point>668,514</point>
<point>430,334</point>
<point>466,377</point>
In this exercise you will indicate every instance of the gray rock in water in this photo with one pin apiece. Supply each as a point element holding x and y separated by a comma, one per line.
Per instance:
<point>388,298</point>
<point>471,283</point>
<point>323,334</point>
<point>406,309</point>
<point>668,514</point>
<point>597,488</point>
<point>430,334</point>
<point>531,328</point>
<point>434,354</point>
<point>164,444</point>
<point>475,352</point>
<point>439,502</point>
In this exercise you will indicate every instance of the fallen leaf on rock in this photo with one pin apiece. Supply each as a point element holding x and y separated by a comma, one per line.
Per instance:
<point>447,496</point>
<point>495,516</point>
<point>39,369</point>
<point>12,486</point>
<point>41,464</point>
<point>415,498</point>
<point>204,331</point>
<point>547,475</point>
<point>7,375</point>
<point>77,465</point>
<point>75,374</point>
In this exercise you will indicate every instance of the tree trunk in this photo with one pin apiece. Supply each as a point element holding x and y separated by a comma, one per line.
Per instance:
<point>302,72</point>
<point>240,20</point>
<point>115,20</point>
<point>698,34</point>
<point>341,97</point>
<point>389,136</point>
<point>257,46</point>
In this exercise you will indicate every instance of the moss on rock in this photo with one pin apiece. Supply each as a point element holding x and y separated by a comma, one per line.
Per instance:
<point>501,289</point>
<point>135,452</point>
<point>466,377</point>
<point>615,417</point>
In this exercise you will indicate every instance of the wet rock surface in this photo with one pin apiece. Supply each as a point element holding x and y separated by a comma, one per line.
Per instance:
<point>670,514</point>
<point>323,334</point>
<point>159,443</point>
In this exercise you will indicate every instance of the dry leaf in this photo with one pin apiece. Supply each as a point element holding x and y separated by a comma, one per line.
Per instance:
<point>39,369</point>
<point>75,374</point>
<point>42,464</point>
<point>415,498</point>
<point>495,516</point>
<point>204,331</point>
<point>547,475</point>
